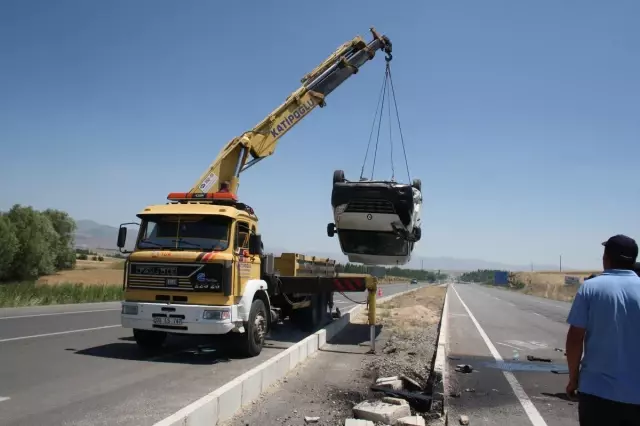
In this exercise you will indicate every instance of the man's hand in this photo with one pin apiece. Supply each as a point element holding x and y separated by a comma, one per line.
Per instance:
<point>572,389</point>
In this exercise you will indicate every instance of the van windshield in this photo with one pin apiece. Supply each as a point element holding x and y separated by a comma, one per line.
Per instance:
<point>184,232</point>
<point>372,243</point>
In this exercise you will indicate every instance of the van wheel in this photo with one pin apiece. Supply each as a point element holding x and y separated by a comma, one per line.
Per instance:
<point>148,339</point>
<point>250,343</point>
<point>417,234</point>
<point>338,176</point>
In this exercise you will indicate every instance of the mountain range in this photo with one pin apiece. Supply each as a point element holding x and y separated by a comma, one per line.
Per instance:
<point>96,236</point>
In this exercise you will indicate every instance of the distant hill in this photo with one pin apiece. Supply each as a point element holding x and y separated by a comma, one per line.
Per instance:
<point>93,235</point>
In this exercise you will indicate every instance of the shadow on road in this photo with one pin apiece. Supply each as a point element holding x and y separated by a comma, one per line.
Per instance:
<point>197,349</point>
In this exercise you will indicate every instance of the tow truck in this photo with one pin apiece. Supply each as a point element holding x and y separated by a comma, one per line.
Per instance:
<point>198,265</point>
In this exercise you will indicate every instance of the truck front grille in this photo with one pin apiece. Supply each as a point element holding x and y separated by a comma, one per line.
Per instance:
<point>150,275</point>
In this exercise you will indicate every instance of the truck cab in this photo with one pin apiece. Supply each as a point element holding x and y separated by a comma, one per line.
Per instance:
<point>195,269</point>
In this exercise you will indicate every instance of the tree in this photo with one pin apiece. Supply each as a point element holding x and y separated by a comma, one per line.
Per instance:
<point>36,237</point>
<point>8,246</point>
<point>65,227</point>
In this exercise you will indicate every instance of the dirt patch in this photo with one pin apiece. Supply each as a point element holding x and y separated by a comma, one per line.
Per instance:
<point>411,322</point>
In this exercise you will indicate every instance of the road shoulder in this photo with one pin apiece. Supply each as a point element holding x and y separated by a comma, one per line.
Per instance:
<point>340,375</point>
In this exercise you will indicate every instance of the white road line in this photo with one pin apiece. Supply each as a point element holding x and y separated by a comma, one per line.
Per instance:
<point>58,313</point>
<point>57,333</point>
<point>4,398</point>
<point>527,405</point>
<point>509,346</point>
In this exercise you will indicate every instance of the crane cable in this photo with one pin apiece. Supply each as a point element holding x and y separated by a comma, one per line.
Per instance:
<point>386,93</point>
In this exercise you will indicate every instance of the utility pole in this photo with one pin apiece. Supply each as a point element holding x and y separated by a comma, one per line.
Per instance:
<point>560,263</point>
<point>422,264</point>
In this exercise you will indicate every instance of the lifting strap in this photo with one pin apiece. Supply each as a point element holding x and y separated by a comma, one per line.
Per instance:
<point>386,93</point>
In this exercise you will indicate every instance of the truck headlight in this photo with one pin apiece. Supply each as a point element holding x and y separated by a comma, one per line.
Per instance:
<point>217,314</point>
<point>130,309</point>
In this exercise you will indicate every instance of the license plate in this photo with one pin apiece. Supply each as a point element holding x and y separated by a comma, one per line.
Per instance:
<point>167,321</point>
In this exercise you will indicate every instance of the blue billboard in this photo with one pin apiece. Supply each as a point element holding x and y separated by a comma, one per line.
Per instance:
<point>501,278</point>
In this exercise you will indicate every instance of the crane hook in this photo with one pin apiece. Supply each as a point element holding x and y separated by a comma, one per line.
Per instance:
<point>388,57</point>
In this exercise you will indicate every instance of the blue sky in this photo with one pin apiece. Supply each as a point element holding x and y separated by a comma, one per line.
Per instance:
<point>521,118</point>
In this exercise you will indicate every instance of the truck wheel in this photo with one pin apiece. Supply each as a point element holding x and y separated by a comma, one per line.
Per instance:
<point>323,314</point>
<point>307,318</point>
<point>331,229</point>
<point>417,184</point>
<point>149,340</point>
<point>338,176</point>
<point>250,343</point>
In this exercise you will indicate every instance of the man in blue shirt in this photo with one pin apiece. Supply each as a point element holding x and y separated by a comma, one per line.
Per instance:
<point>605,318</point>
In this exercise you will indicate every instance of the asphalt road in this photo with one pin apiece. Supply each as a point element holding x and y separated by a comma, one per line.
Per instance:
<point>75,365</point>
<point>501,390</point>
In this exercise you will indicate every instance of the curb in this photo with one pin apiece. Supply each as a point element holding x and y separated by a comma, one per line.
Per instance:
<point>440,401</point>
<point>223,403</point>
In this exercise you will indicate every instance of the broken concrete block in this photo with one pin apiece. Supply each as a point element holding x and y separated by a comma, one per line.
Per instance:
<point>392,384</point>
<point>358,422</point>
<point>411,421</point>
<point>386,379</point>
<point>386,411</point>
<point>464,420</point>
<point>309,419</point>
<point>394,401</point>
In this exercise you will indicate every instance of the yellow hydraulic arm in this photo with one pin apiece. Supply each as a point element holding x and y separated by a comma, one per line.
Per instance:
<point>261,141</point>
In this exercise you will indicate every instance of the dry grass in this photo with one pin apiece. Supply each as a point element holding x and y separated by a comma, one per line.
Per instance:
<point>89,272</point>
<point>410,311</point>
<point>550,284</point>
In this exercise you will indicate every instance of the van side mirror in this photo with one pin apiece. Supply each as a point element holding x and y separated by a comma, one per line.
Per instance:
<point>255,244</point>
<point>122,236</point>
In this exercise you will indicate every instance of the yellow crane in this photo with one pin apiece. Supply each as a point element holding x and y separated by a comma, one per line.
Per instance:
<point>252,146</point>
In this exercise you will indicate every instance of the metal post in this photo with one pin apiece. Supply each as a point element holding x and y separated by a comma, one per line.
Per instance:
<point>372,317</point>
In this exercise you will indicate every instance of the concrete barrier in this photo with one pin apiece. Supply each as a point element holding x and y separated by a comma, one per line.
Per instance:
<point>440,390</point>
<point>223,403</point>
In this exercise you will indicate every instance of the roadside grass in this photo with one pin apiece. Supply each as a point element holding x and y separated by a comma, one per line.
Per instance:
<point>549,285</point>
<point>32,294</point>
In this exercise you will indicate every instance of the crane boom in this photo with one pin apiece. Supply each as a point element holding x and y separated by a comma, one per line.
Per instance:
<point>261,141</point>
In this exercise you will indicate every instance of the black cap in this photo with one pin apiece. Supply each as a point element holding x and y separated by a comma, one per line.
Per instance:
<point>622,246</point>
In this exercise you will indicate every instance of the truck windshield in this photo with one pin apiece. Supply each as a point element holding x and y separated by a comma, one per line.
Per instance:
<point>184,232</point>
<point>372,243</point>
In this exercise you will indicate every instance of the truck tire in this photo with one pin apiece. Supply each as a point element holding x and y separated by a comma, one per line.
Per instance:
<point>307,319</point>
<point>250,343</point>
<point>323,314</point>
<point>149,340</point>
<point>338,176</point>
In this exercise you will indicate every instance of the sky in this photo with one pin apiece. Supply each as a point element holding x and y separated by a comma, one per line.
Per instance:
<point>522,119</point>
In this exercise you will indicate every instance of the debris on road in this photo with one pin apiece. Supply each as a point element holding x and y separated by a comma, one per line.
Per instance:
<point>308,419</point>
<point>464,368</point>
<point>411,421</point>
<point>464,420</point>
<point>535,358</point>
<point>358,422</point>
<point>386,411</point>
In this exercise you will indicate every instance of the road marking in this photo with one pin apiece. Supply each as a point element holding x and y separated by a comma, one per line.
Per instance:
<point>509,346</point>
<point>530,409</point>
<point>58,313</point>
<point>4,398</point>
<point>33,336</point>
